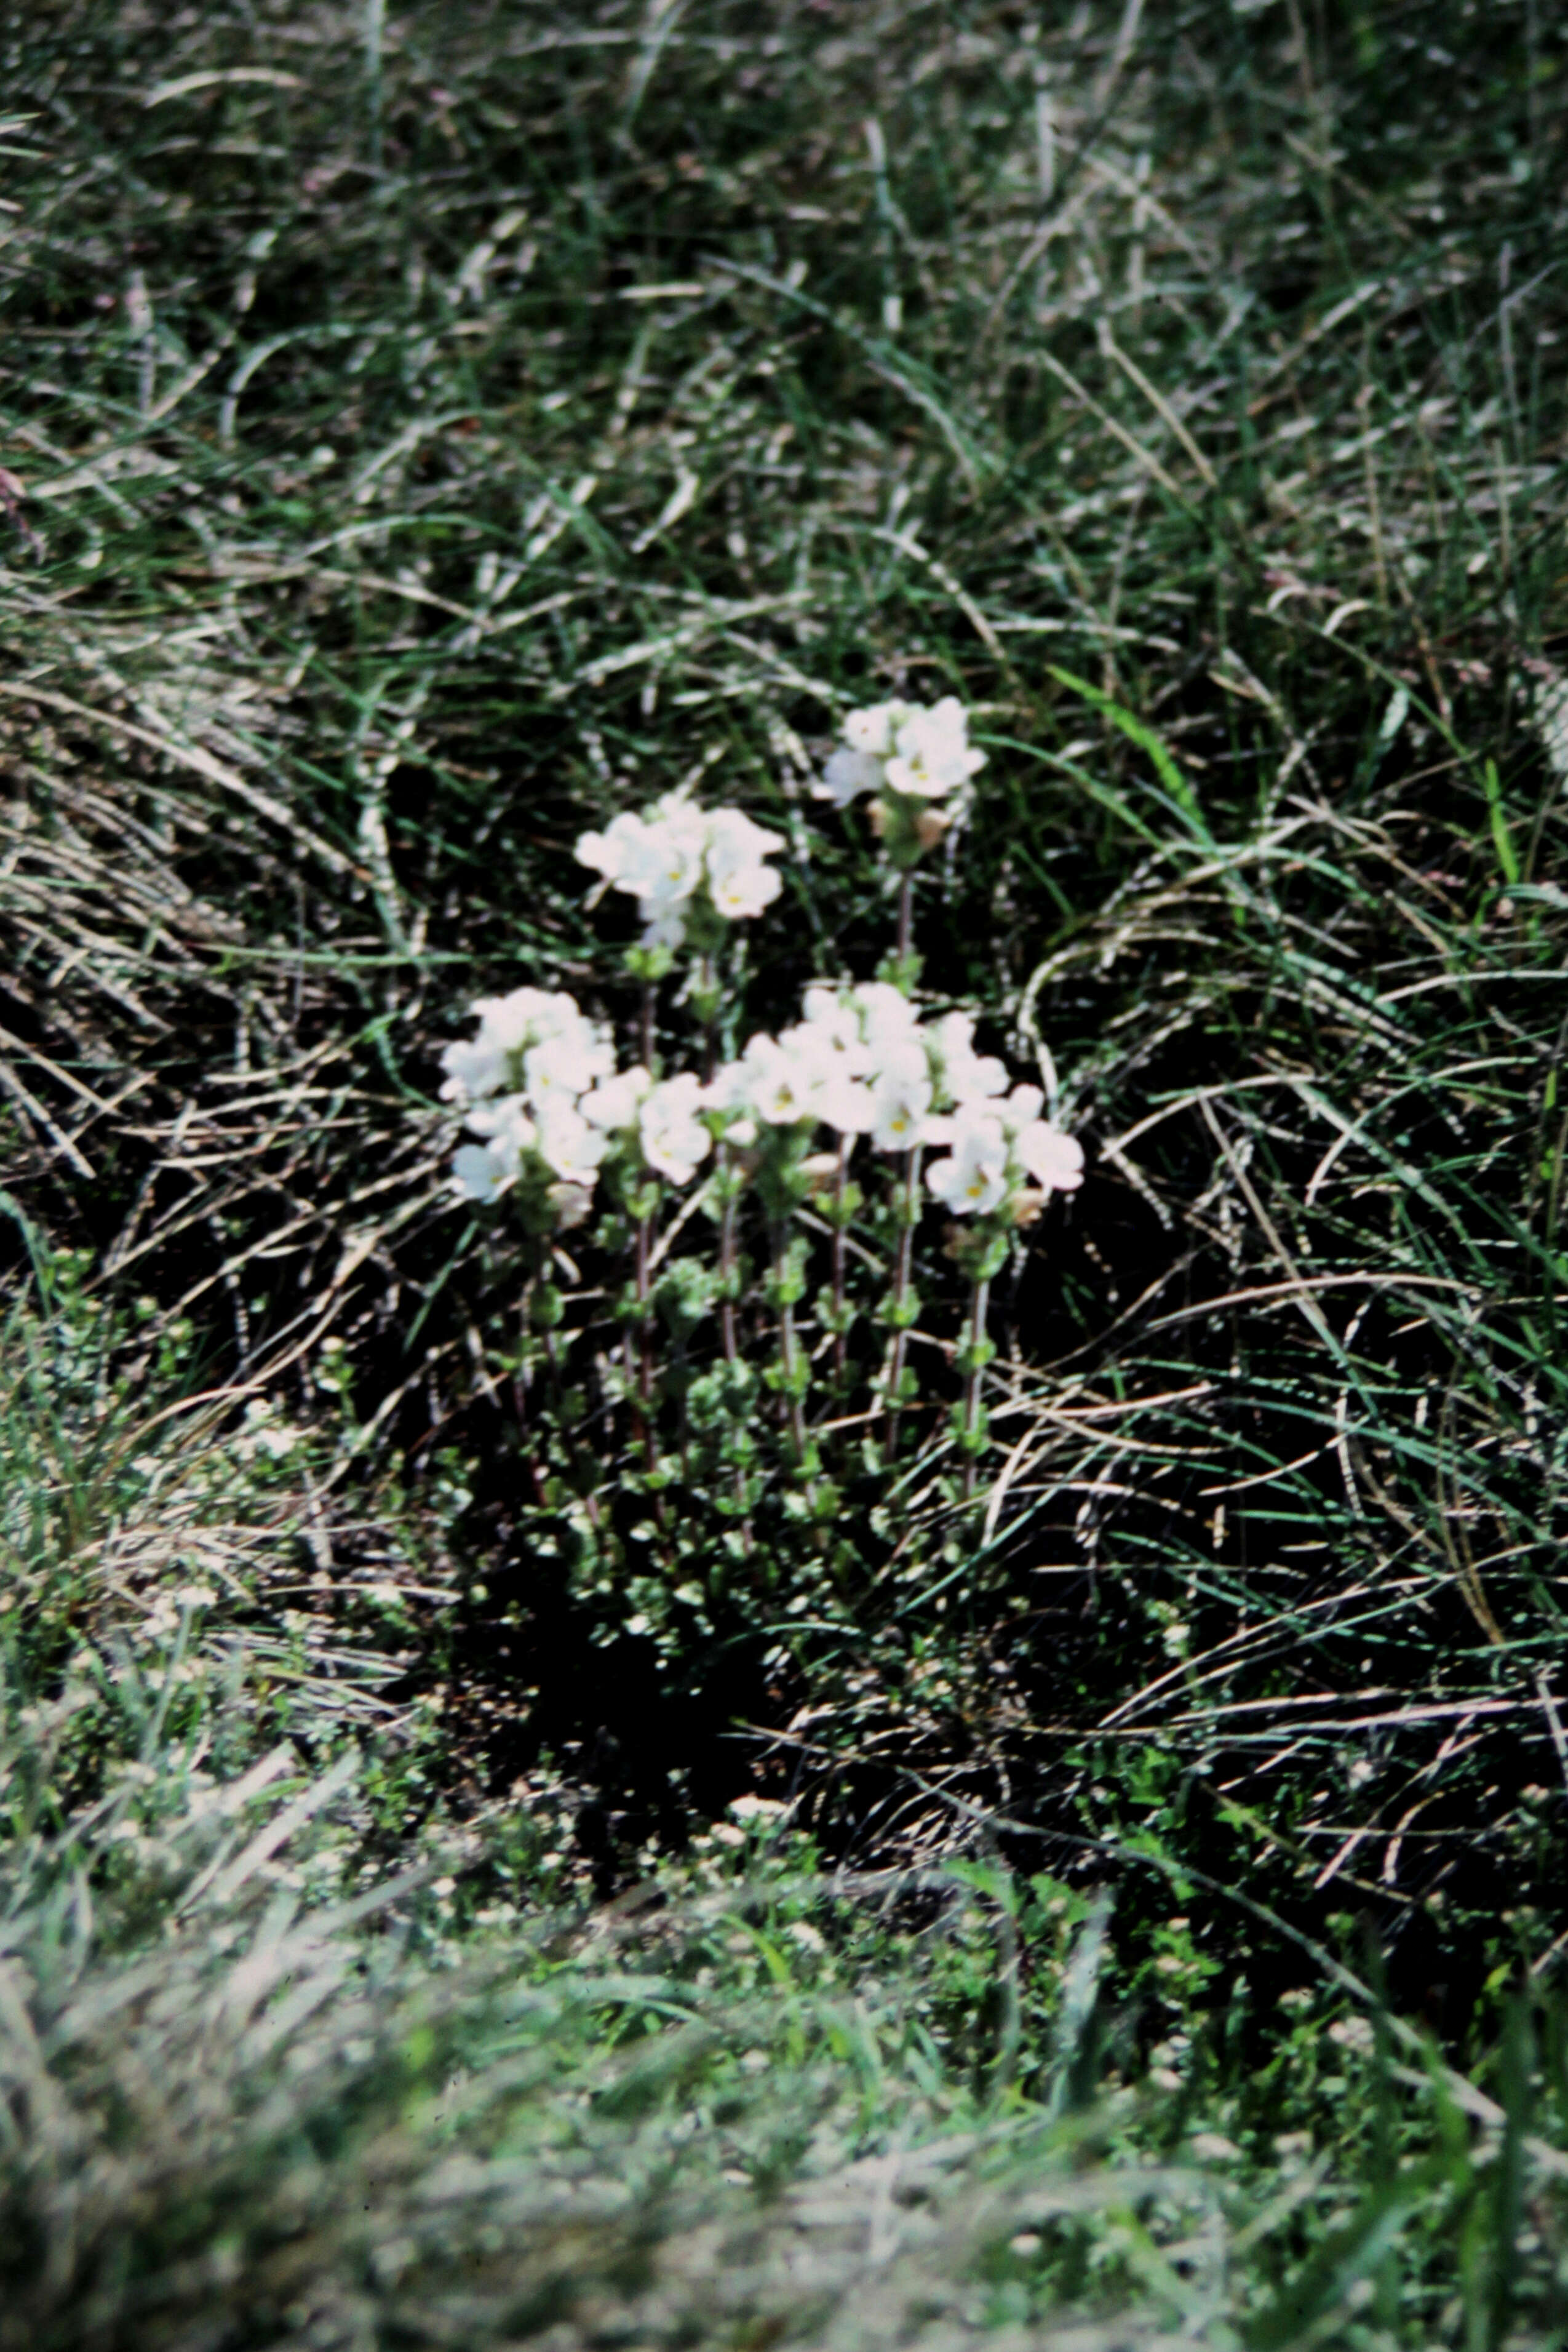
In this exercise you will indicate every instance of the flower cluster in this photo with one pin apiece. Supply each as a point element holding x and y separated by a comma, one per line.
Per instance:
<point>910,757</point>
<point>659,1119</point>
<point>551,1117</point>
<point>861,1062</point>
<point>519,1084</point>
<point>539,1085</point>
<point>686,866</point>
<point>993,1147</point>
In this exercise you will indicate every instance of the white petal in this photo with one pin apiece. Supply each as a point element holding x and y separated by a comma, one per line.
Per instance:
<point>846,776</point>
<point>478,1173</point>
<point>1054,1159</point>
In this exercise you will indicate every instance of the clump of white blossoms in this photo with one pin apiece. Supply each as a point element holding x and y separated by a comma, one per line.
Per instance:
<point>519,1084</point>
<point>551,1119</point>
<point>910,757</point>
<point>691,870</point>
<point>659,1119</point>
<point>1002,1155</point>
<point>861,1062</point>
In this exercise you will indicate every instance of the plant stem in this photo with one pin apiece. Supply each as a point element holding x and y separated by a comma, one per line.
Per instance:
<point>557,1386</point>
<point>707,1000</point>
<point>906,911</point>
<point>640,1370</point>
<point>727,1311</point>
<point>789,1343</point>
<point>644,1333</point>
<point>520,1405</point>
<point>650,999</point>
<point>977,1301</point>
<point>908,1199</point>
<point>726,1260</point>
<point>841,1255</point>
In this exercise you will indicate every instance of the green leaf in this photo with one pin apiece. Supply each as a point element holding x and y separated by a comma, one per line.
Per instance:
<point>1507,856</point>
<point>1138,731</point>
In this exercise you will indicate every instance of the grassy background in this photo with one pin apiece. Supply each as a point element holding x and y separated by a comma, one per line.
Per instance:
<point>429,435</point>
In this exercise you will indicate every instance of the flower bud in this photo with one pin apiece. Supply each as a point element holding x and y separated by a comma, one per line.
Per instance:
<point>822,1168</point>
<point>572,1203</point>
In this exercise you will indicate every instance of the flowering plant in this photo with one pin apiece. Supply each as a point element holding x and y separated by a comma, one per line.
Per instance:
<point>826,1142</point>
<point>520,1085</point>
<point>691,870</point>
<point>909,757</point>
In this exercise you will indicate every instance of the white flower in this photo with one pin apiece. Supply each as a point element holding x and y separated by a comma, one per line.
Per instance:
<point>779,1079</point>
<point>993,1144</point>
<point>670,867</point>
<point>482,1065</point>
<point>503,1121</point>
<point>888,1022</point>
<point>616,1102</point>
<point>612,853</point>
<point>518,1081</point>
<point>480,1172</point>
<point>726,1091</point>
<point>845,1102</point>
<point>672,1136</point>
<point>510,1028</point>
<point>1017,1109</point>
<point>965,1074</point>
<point>656,856</point>
<point>832,1034</point>
<point>931,753</point>
<point>656,859</point>
<point>569,1148</point>
<point>834,1020</point>
<point>901,1100</point>
<point>562,1066</point>
<point>846,776</point>
<point>902,747</point>
<point>738,892</point>
<point>474,1066</point>
<point>666,856</point>
<point>738,883</point>
<point>483,1170</point>
<point>974,1181</point>
<point>871,729</point>
<point>1055,1161</point>
<point>757,1809</point>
